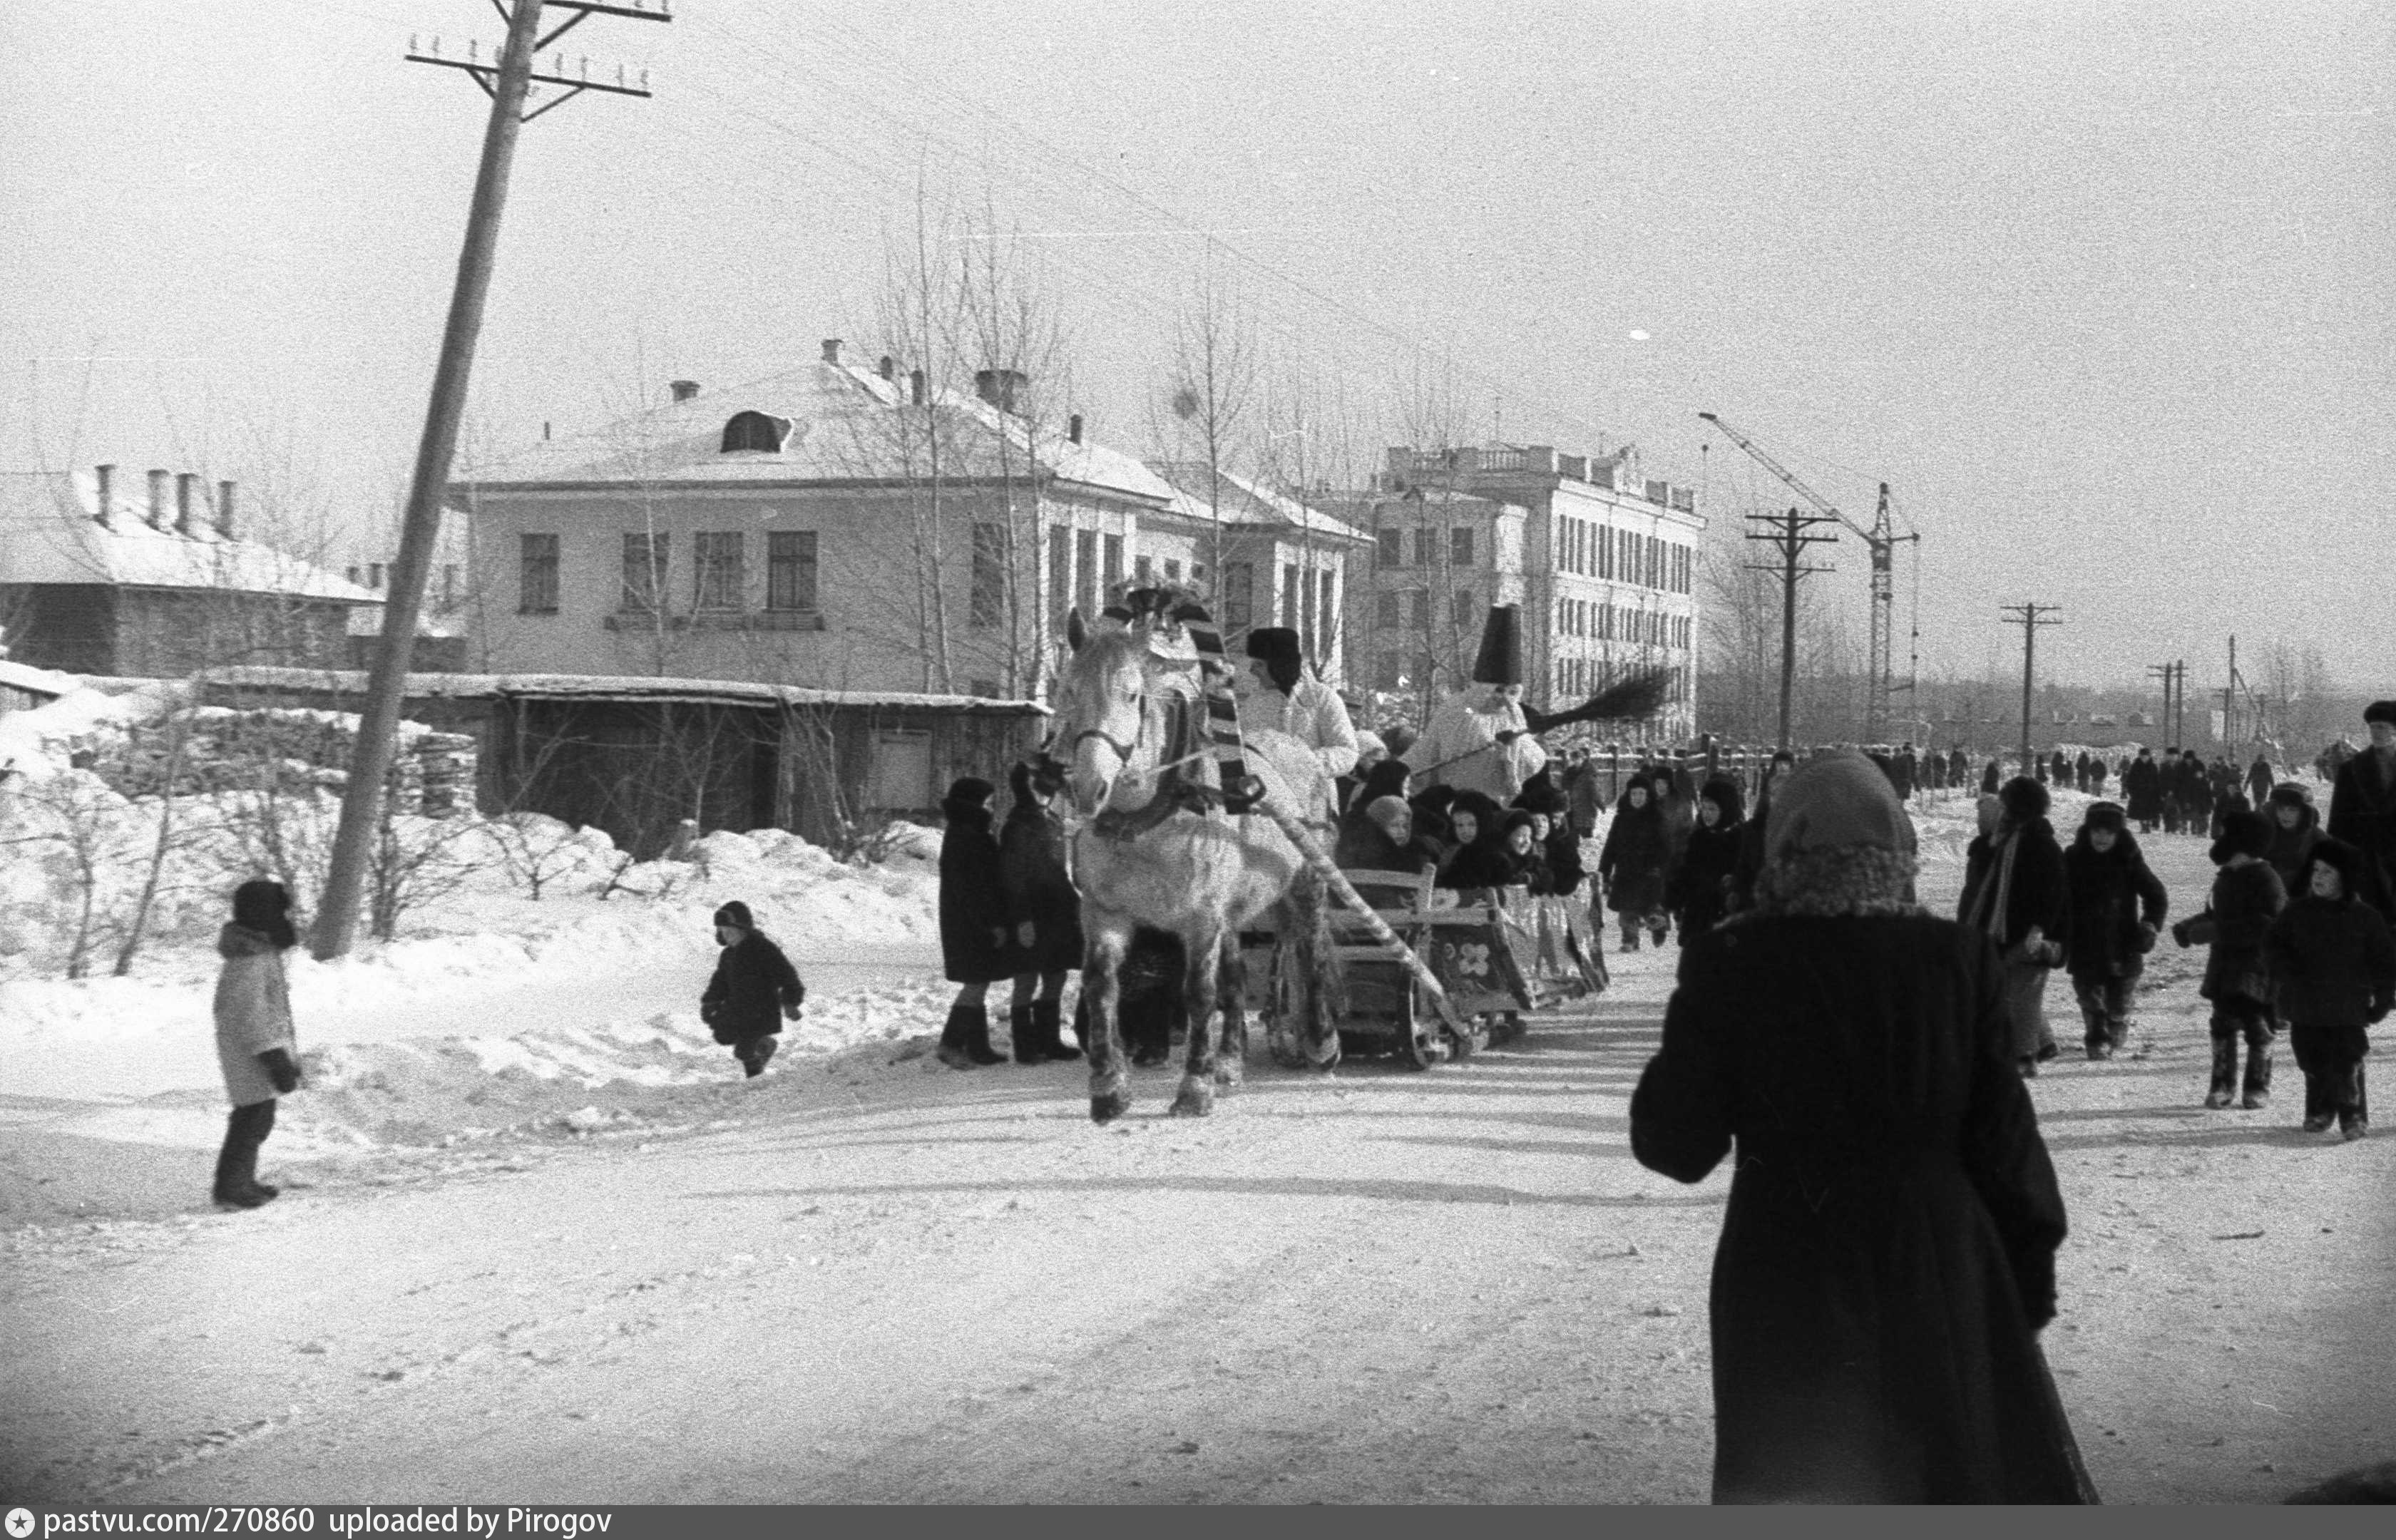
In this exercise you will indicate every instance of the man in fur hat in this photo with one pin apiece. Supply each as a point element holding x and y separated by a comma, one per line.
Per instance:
<point>1478,738</point>
<point>2363,810</point>
<point>1277,694</point>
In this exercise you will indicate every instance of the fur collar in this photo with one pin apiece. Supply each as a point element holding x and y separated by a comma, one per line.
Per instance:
<point>1837,882</point>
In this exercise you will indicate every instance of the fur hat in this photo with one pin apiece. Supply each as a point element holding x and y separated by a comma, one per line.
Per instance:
<point>2023,799</point>
<point>1500,659</point>
<point>1724,793</point>
<point>735,913</point>
<point>1384,779</point>
<point>967,794</point>
<point>2380,710</point>
<point>1540,794</point>
<point>1484,811</point>
<point>2243,833</point>
<point>2104,815</point>
<point>1840,799</point>
<point>2339,857</point>
<point>1519,818</point>
<point>2290,794</point>
<point>1399,739</point>
<point>1387,811</point>
<point>1276,647</point>
<point>264,906</point>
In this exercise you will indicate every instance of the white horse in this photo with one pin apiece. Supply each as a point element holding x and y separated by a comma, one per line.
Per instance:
<point>1154,846</point>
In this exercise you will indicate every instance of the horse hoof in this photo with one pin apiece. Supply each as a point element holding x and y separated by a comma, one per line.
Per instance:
<point>1197,1100</point>
<point>1323,1055</point>
<point>1229,1073</point>
<point>1108,1105</point>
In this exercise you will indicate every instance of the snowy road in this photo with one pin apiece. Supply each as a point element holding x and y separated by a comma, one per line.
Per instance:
<point>872,1282</point>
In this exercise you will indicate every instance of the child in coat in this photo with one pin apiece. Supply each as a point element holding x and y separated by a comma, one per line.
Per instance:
<point>2246,897</point>
<point>753,991</point>
<point>2334,966</point>
<point>257,1047</point>
<point>977,937</point>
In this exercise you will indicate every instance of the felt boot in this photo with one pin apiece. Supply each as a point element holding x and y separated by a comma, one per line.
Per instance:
<point>237,1184</point>
<point>1026,1036</point>
<point>1047,1025</point>
<point>2256,1090</point>
<point>2353,1107</point>
<point>2319,1112</point>
<point>951,1051</point>
<point>2225,1072</point>
<point>978,1046</point>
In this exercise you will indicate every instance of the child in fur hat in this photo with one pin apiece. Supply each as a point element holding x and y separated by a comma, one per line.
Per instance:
<point>2334,966</point>
<point>755,988</point>
<point>257,1047</point>
<point>2247,896</point>
<point>2117,906</point>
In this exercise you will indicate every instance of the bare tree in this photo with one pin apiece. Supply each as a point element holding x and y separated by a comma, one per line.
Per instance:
<point>1209,399</point>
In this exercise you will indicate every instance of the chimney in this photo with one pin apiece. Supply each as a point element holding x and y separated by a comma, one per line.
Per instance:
<point>158,498</point>
<point>183,483</point>
<point>915,383</point>
<point>104,476</point>
<point>889,367</point>
<point>1000,387</point>
<point>832,350</point>
<point>224,510</point>
<point>682,389</point>
<point>1074,428</point>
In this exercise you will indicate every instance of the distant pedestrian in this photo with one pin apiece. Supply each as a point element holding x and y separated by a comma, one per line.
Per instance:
<point>1047,910</point>
<point>1703,884</point>
<point>2363,810</point>
<point>1991,777</point>
<point>1632,863</point>
<point>1581,792</point>
<point>1903,769</point>
<point>1887,1257</point>
<point>755,989</point>
<point>2142,786</point>
<point>258,1046</point>
<point>1751,842</point>
<point>2015,895</point>
<point>2296,829</point>
<point>2258,781</point>
<point>2247,896</point>
<point>2333,961</point>
<point>977,935</point>
<point>2097,774</point>
<point>2117,906</point>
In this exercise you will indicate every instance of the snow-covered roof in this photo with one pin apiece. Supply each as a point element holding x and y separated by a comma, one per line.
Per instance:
<point>845,425</point>
<point>51,532</point>
<point>1245,503</point>
<point>34,680</point>
<point>459,687</point>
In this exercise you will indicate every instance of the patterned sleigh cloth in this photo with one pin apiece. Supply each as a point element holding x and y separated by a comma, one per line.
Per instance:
<point>1540,951</point>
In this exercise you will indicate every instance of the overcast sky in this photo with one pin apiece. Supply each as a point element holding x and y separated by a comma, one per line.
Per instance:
<point>2103,291</point>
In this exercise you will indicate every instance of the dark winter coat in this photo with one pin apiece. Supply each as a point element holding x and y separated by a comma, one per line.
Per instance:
<point>1031,871</point>
<point>2291,848</point>
<point>1481,864</point>
<point>2258,781</point>
<point>1990,778</point>
<point>1703,885</point>
<point>753,985</point>
<point>2333,963</point>
<point>1367,847</point>
<point>2142,783</point>
<point>2246,898</point>
<point>2362,813</point>
<point>1566,872</point>
<point>2112,893</point>
<point>1887,1255</point>
<point>1633,859</point>
<point>2037,895</point>
<point>976,941</point>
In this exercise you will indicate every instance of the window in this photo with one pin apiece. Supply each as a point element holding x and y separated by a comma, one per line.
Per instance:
<point>1307,614</point>
<point>754,430</point>
<point>1423,548</point>
<point>1197,572</point>
<point>1467,617</point>
<point>1460,545</point>
<point>537,579</point>
<point>645,559</point>
<point>985,600</point>
<point>449,585</point>
<point>716,559</point>
<point>1326,615</point>
<point>374,575</point>
<point>1290,577</point>
<point>1238,596</point>
<point>1173,569</point>
<point>901,776</point>
<point>1389,612</point>
<point>1605,552</point>
<point>1143,570</point>
<point>791,569</point>
<point>1060,569</point>
<point>1085,569</point>
<point>1422,610</point>
<point>1111,573</point>
<point>1393,551</point>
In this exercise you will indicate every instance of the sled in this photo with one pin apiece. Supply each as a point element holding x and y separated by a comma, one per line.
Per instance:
<point>1386,1011</point>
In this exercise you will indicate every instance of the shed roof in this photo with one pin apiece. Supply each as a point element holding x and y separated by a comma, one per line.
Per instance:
<point>460,687</point>
<point>847,425</point>
<point>51,532</point>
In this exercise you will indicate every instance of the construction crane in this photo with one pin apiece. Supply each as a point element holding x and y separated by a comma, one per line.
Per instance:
<point>1882,540</point>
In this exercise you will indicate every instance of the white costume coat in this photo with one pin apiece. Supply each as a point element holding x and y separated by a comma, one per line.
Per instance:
<point>1312,713</point>
<point>1464,729</point>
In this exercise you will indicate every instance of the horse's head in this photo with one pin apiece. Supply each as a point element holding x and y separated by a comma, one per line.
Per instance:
<point>1108,708</point>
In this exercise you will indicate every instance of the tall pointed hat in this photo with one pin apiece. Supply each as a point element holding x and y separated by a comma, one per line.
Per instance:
<point>1500,659</point>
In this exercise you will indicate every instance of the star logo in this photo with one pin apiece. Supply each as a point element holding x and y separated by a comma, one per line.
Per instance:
<point>20,1523</point>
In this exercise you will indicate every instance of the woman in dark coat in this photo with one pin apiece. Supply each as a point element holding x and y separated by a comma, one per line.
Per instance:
<point>1047,910</point>
<point>977,939</point>
<point>2142,783</point>
<point>2296,829</point>
<point>1750,842</point>
<point>1475,857</point>
<point>2117,908</point>
<point>1887,1257</point>
<point>1701,886</point>
<point>2363,810</point>
<point>1631,864</point>
<point>2020,902</point>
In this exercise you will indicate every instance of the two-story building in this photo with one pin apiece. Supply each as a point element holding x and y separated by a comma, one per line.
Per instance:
<point>1262,558</point>
<point>839,527</point>
<point>1602,561</point>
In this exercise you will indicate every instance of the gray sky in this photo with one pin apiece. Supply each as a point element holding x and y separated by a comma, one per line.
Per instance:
<point>2104,290</point>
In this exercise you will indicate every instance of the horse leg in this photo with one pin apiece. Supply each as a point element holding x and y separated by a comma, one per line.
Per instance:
<point>1231,1054</point>
<point>1101,986</point>
<point>1201,972</point>
<point>1314,962</point>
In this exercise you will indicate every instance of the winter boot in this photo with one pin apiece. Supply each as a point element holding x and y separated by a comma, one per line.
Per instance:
<point>1047,1025</point>
<point>2257,1091</point>
<point>1630,938</point>
<point>2354,1108</point>
<point>952,1051</point>
<point>1027,1037</point>
<point>2225,1072</point>
<point>978,1046</point>
<point>2318,1113</point>
<point>237,1184</point>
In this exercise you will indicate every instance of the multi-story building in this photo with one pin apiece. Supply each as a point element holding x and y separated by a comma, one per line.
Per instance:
<point>838,527</point>
<point>1262,558</point>
<point>1602,561</point>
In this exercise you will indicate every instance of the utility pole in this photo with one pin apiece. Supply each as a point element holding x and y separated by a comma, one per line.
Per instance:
<point>2029,617</point>
<point>2165,673</point>
<point>1786,533</point>
<point>507,79</point>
